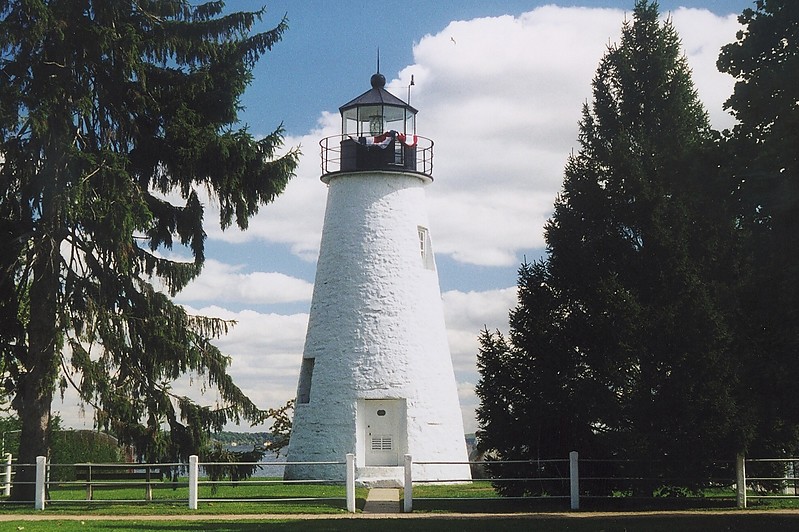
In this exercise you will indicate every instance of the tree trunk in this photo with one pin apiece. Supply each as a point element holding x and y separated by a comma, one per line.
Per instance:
<point>35,392</point>
<point>35,420</point>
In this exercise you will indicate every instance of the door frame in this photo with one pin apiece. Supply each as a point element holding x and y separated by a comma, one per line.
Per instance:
<point>400,440</point>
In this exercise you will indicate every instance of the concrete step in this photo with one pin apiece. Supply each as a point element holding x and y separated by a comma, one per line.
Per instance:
<point>382,501</point>
<point>380,476</point>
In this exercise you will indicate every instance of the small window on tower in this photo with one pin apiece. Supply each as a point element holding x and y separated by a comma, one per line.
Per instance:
<point>426,248</point>
<point>306,375</point>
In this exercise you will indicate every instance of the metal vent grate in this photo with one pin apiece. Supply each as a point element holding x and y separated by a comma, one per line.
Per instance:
<point>382,443</point>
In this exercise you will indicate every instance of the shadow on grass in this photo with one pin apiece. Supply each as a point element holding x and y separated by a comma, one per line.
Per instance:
<point>56,509</point>
<point>732,522</point>
<point>552,504</point>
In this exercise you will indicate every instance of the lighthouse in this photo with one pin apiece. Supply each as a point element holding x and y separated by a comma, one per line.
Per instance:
<point>376,378</point>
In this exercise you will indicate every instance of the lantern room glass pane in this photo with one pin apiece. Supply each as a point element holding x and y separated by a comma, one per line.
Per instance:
<point>370,120</point>
<point>400,119</point>
<point>410,122</point>
<point>394,114</point>
<point>349,124</point>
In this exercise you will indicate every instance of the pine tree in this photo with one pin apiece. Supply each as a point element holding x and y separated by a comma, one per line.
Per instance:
<point>113,116</point>
<point>638,252</point>
<point>764,162</point>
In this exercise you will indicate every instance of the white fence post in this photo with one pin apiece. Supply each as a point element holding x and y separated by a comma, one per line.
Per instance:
<point>193,474</point>
<point>740,480</point>
<point>351,483</point>
<point>7,475</point>
<point>41,471</point>
<point>574,480</point>
<point>407,501</point>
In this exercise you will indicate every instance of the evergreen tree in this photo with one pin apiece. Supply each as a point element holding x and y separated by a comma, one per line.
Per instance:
<point>764,161</point>
<point>531,394</point>
<point>629,332</point>
<point>113,115</point>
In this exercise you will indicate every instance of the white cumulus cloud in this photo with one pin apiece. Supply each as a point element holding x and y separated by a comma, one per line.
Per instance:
<point>222,282</point>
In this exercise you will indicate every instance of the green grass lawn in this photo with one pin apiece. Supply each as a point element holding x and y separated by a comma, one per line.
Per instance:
<point>165,491</point>
<point>172,499</point>
<point>480,497</point>
<point>470,490</point>
<point>432,504</point>
<point>289,498</point>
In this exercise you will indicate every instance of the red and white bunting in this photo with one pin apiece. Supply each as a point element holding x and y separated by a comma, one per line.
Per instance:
<point>384,139</point>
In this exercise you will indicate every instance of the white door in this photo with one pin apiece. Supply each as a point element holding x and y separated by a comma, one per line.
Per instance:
<point>384,424</point>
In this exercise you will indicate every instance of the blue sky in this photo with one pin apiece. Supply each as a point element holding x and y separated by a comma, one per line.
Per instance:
<point>498,85</point>
<point>330,50</point>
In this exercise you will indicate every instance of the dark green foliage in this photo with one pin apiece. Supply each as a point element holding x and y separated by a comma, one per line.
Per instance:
<point>221,463</point>
<point>281,428</point>
<point>81,446</point>
<point>67,446</point>
<point>620,343</point>
<point>240,438</point>
<point>116,117</point>
<point>763,159</point>
<point>234,465</point>
<point>531,396</point>
<point>9,432</point>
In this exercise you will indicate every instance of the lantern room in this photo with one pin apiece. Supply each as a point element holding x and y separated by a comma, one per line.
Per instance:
<point>377,111</point>
<point>378,132</point>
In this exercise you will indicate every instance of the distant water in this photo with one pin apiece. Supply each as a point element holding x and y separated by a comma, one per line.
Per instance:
<point>265,470</point>
<point>270,470</point>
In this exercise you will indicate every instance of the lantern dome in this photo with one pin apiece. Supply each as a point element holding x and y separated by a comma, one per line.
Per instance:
<point>377,111</point>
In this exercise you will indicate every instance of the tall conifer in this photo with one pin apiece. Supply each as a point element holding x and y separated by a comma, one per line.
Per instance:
<point>115,116</point>
<point>629,337</point>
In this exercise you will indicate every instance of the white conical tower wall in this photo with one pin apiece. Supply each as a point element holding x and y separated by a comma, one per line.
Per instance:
<point>376,332</point>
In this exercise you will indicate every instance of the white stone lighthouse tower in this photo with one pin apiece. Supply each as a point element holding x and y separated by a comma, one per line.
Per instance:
<point>376,377</point>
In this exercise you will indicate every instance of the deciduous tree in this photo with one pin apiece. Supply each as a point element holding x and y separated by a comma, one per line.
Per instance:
<point>764,162</point>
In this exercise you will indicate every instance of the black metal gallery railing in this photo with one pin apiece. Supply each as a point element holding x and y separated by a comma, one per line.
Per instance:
<point>390,151</point>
